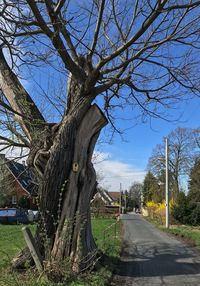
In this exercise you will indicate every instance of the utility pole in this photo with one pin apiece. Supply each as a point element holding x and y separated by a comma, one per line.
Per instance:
<point>125,199</point>
<point>120,198</point>
<point>142,199</point>
<point>166,182</point>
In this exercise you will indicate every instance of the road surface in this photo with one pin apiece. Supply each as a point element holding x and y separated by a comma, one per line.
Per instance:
<point>151,257</point>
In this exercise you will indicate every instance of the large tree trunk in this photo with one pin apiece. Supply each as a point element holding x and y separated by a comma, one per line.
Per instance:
<point>73,235</point>
<point>66,185</point>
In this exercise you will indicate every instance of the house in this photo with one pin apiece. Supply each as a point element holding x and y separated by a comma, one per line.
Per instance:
<point>105,198</point>
<point>115,197</point>
<point>105,203</point>
<point>101,198</point>
<point>20,184</point>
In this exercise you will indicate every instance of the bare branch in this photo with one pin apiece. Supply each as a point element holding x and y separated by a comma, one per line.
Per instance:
<point>19,99</point>
<point>97,29</point>
<point>183,6</point>
<point>145,25</point>
<point>11,142</point>
<point>57,42</point>
<point>59,6</point>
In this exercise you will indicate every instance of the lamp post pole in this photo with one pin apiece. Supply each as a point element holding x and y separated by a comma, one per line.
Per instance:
<point>120,199</point>
<point>167,182</point>
<point>125,202</point>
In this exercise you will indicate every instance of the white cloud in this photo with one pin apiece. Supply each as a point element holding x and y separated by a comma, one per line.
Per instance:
<point>113,172</point>
<point>110,172</point>
<point>98,157</point>
<point>16,153</point>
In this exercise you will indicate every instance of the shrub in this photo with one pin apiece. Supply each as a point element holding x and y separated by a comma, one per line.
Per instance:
<point>194,216</point>
<point>180,209</point>
<point>185,211</point>
<point>24,202</point>
<point>156,211</point>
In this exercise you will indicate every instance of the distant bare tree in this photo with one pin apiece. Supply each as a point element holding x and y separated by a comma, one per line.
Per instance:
<point>196,134</point>
<point>182,155</point>
<point>142,54</point>
<point>134,194</point>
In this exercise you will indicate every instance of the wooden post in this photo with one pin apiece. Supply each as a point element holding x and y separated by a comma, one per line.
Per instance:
<point>116,230</point>
<point>33,248</point>
<point>104,238</point>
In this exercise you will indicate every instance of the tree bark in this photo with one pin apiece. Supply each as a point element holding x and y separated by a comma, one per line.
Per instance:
<point>66,186</point>
<point>30,118</point>
<point>75,215</point>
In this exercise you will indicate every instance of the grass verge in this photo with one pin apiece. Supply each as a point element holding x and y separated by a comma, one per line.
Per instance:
<point>187,233</point>
<point>106,235</point>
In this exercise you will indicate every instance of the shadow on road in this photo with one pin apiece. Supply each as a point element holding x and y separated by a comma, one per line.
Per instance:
<point>161,260</point>
<point>128,217</point>
<point>151,257</point>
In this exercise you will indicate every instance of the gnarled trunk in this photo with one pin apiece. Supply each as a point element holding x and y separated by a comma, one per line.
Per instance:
<point>66,185</point>
<point>73,234</point>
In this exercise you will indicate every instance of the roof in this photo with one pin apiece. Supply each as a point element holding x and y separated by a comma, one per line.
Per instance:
<point>21,172</point>
<point>106,198</point>
<point>115,196</point>
<point>102,194</point>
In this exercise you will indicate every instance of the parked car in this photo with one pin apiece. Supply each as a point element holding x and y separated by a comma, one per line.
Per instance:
<point>13,216</point>
<point>36,215</point>
<point>33,215</point>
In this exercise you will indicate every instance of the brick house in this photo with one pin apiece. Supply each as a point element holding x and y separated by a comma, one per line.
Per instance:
<point>20,183</point>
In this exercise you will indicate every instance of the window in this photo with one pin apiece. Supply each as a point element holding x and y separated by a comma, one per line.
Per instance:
<point>14,199</point>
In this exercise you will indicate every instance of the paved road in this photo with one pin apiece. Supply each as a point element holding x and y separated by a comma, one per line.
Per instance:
<point>152,257</point>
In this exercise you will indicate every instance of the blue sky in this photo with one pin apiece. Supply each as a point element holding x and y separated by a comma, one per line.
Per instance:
<point>125,161</point>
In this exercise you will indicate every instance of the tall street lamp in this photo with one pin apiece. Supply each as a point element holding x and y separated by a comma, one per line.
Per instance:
<point>166,182</point>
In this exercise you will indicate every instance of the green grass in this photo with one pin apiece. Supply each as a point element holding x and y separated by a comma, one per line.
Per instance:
<point>190,234</point>
<point>103,230</point>
<point>11,242</point>
<point>106,235</point>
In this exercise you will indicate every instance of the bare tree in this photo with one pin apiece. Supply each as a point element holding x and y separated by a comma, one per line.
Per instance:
<point>196,134</point>
<point>134,195</point>
<point>182,156</point>
<point>139,53</point>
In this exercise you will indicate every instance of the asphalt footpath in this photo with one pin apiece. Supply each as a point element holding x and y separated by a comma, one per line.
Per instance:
<point>152,257</point>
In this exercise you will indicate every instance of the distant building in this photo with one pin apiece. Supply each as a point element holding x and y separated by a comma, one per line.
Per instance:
<point>20,183</point>
<point>115,196</point>
<point>105,198</point>
<point>101,198</point>
<point>105,203</point>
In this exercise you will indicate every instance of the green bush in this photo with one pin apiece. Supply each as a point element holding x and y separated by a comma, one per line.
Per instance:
<point>24,202</point>
<point>194,217</point>
<point>180,211</point>
<point>186,212</point>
